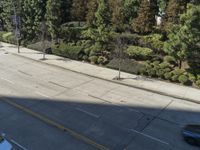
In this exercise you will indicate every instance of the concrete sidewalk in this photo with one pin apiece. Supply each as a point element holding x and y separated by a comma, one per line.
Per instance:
<point>156,86</point>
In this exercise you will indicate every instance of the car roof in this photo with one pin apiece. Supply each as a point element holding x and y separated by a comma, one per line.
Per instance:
<point>193,128</point>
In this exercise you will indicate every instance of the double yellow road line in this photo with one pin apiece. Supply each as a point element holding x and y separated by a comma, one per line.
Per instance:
<point>57,125</point>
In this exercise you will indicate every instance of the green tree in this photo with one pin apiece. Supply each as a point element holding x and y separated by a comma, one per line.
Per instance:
<point>162,5</point>
<point>53,18</point>
<point>130,9</point>
<point>184,37</point>
<point>116,7</point>
<point>92,6</point>
<point>145,21</point>
<point>103,17</point>
<point>66,11</point>
<point>79,10</point>
<point>6,12</point>
<point>173,11</point>
<point>32,15</point>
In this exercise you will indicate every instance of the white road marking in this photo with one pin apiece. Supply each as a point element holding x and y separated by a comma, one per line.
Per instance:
<point>89,113</point>
<point>41,94</point>
<point>7,80</point>
<point>151,137</point>
<point>20,146</point>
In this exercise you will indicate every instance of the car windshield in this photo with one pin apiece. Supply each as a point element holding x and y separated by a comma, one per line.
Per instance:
<point>1,139</point>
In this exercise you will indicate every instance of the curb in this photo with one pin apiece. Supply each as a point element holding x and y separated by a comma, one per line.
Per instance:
<point>112,81</point>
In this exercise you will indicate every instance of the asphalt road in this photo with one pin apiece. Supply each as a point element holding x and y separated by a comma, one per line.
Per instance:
<point>113,116</point>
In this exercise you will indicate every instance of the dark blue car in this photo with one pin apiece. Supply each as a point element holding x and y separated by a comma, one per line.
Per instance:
<point>191,134</point>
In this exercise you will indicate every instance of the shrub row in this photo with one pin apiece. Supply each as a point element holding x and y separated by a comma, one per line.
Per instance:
<point>7,37</point>
<point>127,65</point>
<point>165,71</point>
<point>39,46</point>
<point>69,50</point>
<point>139,52</point>
<point>153,41</point>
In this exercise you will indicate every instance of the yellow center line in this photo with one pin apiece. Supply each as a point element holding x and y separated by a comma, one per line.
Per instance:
<point>57,125</point>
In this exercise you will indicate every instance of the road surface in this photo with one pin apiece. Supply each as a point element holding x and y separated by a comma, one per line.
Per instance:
<point>96,114</point>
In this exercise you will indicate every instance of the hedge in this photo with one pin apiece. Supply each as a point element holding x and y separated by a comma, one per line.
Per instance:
<point>39,46</point>
<point>68,50</point>
<point>127,65</point>
<point>139,52</point>
<point>7,37</point>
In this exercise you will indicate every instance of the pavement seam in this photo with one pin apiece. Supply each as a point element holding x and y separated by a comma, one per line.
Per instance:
<point>109,80</point>
<point>57,125</point>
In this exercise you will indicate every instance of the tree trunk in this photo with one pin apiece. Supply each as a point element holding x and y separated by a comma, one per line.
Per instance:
<point>180,64</point>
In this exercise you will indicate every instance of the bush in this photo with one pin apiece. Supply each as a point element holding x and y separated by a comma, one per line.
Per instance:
<point>69,51</point>
<point>164,65</point>
<point>198,77</point>
<point>153,41</point>
<point>139,52</point>
<point>170,59</point>
<point>183,79</point>
<point>160,73</point>
<point>102,60</point>
<point>155,63</point>
<point>39,46</point>
<point>93,59</point>
<point>168,75</point>
<point>192,77</point>
<point>152,72</point>
<point>85,58</point>
<point>178,72</point>
<point>175,78</point>
<point>8,37</point>
<point>198,83</point>
<point>127,65</point>
<point>1,35</point>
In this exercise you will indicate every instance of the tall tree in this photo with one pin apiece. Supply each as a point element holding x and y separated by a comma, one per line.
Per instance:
<point>79,10</point>
<point>66,10</point>
<point>130,9</point>
<point>173,11</point>
<point>31,18</point>
<point>184,37</point>
<point>92,6</point>
<point>103,16</point>
<point>145,21</point>
<point>5,15</point>
<point>53,18</point>
<point>116,7</point>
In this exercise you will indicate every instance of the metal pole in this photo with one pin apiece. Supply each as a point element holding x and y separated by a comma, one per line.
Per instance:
<point>43,38</point>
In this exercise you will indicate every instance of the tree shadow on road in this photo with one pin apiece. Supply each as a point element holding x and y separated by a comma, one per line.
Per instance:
<point>118,126</point>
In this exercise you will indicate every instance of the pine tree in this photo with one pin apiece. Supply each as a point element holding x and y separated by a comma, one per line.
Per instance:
<point>53,18</point>
<point>173,11</point>
<point>184,37</point>
<point>103,17</point>
<point>66,11</point>
<point>6,13</point>
<point>92,6</point>
<point>130,9</point>
<point>79,10</point>
<point>31,18</point>
<point>145,21</point>
<point>116,7</point>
